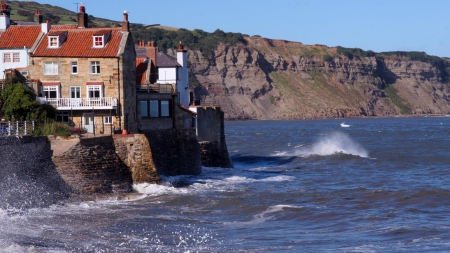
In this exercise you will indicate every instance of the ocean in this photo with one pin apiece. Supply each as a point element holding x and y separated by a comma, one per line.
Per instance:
<point>380,185</point>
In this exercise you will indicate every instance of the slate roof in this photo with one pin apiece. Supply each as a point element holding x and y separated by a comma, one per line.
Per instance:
<point>163,61</point>
<point>19,36</point>
<point>79,43</point>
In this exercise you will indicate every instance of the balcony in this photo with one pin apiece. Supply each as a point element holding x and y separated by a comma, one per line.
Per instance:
<point>80,103</point>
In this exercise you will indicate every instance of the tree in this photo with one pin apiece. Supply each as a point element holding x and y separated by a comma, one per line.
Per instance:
<point>19,103</point>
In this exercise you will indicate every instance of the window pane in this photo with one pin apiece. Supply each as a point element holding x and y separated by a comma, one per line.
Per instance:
<point>144,108</point>
<point>154,108</point>
<point>75,92</point>
<point>50,68</point>
<point>16,57</point>
<point>95,67</point>
<point>7,57</point>
<point>74,67</point>
<point>165,109</point>
<point>94,91</point>
<point>107,120</point>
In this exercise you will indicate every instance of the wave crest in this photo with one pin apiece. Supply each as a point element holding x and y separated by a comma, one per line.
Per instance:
<point>335,143</point>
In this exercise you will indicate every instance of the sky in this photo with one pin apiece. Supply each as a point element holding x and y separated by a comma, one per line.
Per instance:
<point>381,25</point>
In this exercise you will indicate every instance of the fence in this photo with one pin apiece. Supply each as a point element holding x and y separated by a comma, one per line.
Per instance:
<point>17,128</point>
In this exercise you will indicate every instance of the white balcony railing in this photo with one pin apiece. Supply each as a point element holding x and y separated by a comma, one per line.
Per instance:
<point>80,103</point>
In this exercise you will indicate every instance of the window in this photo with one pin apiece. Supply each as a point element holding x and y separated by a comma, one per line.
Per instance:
<point>98,41</point>
<point>75,92</point>
<point>50,91</point>
<point>74,67</point>
<point>11,57</point>
<point>53,42</point>
<point>95,67</point>
<point>94,91</point>
<point>16,57</point>
<point>144,108</point>
<point>107,120</point>
<point>155,108</point>
<point>62,117</point>
<point>6,57</point>
<point>165,112</point>
<point>50,68</point>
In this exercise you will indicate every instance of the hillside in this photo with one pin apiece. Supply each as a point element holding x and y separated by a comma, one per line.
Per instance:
<point>259,78</point>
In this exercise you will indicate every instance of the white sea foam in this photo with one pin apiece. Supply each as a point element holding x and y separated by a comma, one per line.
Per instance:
<point>334,143</point>
<point>263,216</point>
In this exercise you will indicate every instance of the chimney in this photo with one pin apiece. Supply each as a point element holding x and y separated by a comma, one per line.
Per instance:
<point>125,23</point>
<point>183,83</point>
<point>38,17</point>
<point>45,27</point>
<point>82,17</point>
<point>4,9</point>
<point>151,51</point>
<point>4,17</point>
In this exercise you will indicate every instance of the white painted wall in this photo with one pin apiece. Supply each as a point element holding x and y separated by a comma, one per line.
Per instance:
<point>167,75</point>
<point>8,65</point>
<point>183,79</point>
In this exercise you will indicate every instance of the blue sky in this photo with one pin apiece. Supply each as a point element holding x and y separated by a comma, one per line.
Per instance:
<point>382,25</point>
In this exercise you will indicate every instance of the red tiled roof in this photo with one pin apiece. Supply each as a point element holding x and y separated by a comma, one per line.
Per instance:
<point>19,36</point>
<point>94,83</point>
<point>79,43</point>
<point>102,32</point>
<point>141,68</point>
<point>63,27</point>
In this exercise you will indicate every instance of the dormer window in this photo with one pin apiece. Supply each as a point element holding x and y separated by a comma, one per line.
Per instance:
<point>101,38</point>
<point>99,41</point>
<point>53,42</point>
<point>56,39</point>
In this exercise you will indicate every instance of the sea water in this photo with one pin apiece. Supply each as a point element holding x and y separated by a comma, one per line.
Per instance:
<point>382,185</point>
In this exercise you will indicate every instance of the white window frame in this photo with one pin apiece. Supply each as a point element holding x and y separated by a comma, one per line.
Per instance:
<point>93,88</point>
<point>98,41</point>
<point>95,67</point>
<point>7,57</point>
<point>50,88</point>
<point>53,41</point>
<point>74,68</point>
<point>108,120</point>
<point>75,90</point>
<point>15,57</point>
<point>50,68</point>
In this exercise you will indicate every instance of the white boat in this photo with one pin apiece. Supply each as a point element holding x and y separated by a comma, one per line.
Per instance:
<point>344,125</point>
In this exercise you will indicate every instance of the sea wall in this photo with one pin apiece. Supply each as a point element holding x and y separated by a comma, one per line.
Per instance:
<point>211,137</point>
<point>172,155</point>
<point>28,177</point>
<point>92,166</point>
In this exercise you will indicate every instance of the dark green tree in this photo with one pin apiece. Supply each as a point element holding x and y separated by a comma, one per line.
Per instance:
<point>19,103</point>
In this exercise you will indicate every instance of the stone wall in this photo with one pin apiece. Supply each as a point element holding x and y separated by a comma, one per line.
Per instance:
<point>92,166</point>
<point>28,177</point>
<point>211,136</point>
<point>174,156</point>
<point>134,150</point>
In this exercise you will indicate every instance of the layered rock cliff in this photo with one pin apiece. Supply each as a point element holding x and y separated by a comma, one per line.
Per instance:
<point>276,79</point>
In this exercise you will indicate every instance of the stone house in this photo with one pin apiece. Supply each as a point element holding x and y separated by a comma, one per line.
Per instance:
<point>88,74</point>
<point>15,41</point>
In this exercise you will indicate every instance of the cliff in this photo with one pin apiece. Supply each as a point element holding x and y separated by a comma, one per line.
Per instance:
<point>276,79</point>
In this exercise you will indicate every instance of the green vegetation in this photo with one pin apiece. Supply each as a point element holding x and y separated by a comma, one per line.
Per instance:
<point>327,57</point>
<point>404,107</point>
<point>50,127</point>
<point>19,103</point>
<point>354,52</point>
<point>194,40</point>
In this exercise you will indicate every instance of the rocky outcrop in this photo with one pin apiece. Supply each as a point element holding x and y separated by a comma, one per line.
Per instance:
<point>275,79</point>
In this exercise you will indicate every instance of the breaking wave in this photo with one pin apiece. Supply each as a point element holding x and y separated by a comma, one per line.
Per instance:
<point>334,143</point>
